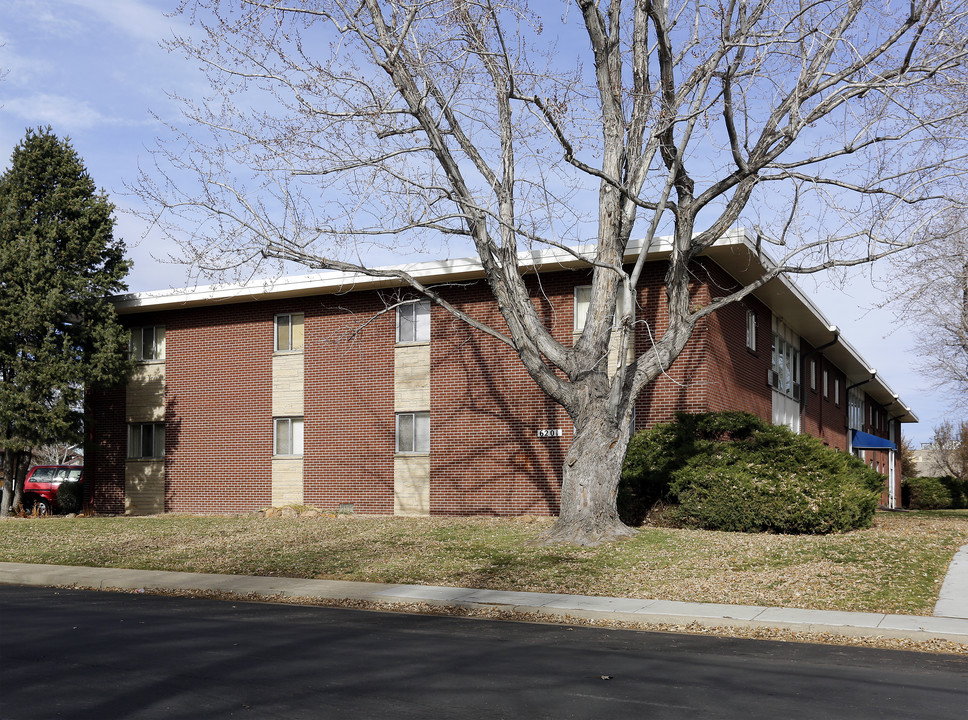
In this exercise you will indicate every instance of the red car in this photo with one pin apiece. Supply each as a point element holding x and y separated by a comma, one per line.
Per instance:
<point>40,487</point>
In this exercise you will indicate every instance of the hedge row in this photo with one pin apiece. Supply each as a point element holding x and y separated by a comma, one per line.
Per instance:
<point>932,493</point>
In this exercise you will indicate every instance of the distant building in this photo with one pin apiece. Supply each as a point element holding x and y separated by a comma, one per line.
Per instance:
<point>927,460</point>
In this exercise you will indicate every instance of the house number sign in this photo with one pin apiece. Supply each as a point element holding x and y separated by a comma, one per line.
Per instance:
<point>549,433</point>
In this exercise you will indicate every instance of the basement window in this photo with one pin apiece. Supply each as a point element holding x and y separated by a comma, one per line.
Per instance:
<point>413,432</point>
<point>288,436</point>
<point>146,441</point>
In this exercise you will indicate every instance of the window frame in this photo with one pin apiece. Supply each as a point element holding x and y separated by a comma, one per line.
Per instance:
<point>415,447</point>
<point>290,339</point>
<point>826,384</point>
<point>295,439</point>
<point>750,329</point>
<point>158,346</point>
<point>837,391</point>
<point>418,324</point>
<point>136,430</point>
<point>813,375</point>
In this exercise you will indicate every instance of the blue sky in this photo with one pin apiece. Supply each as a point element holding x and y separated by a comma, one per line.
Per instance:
<point>94,71</point>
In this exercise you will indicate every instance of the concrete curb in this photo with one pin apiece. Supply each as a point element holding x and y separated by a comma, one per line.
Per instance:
<point>551,605</point>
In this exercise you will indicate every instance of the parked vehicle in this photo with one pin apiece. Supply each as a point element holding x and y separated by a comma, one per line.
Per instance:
<point>40,487</point>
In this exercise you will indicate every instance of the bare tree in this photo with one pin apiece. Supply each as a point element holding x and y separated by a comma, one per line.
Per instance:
<point>337,128</point>
<point>931,297</point>
<point>950,449</point>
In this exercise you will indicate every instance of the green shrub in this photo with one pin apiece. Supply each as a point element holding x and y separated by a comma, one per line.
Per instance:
<point>654,455</point>
<point>741,474</point>
<point>928,493</point>
<point>70,497</point>
<point>958,489</point>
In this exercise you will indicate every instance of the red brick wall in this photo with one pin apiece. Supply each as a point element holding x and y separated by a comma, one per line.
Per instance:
<point>738,375</point>
<point>486,457</point>
<point>105,450</point>
<point>349,418</point>
<point>218,375</point>
<point>683,386</point>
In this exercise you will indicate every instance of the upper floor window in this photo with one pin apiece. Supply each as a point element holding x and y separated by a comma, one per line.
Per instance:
<point>148,343</point>
<point>413,322</point>
<point>146,440</point>
<point>751,330</point>
<point>583,299</point>
<point>289,332</point>
<point>813,375</point>
<point>785,373</point>
<point>836,391</point>
<point>826,384</point>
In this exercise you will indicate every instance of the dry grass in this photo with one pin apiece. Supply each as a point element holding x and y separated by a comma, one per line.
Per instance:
<point>897,566</point>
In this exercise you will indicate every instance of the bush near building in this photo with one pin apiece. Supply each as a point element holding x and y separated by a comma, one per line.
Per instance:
<point>935,493</point>
<point>732,471</point>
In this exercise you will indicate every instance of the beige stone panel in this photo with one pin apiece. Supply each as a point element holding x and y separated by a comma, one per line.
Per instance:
<point>144,487</point>
<point>145,398</point>
<point>411,485</point>
<point>287,481</point>
<point>411,376</point>
<point>288,383</point>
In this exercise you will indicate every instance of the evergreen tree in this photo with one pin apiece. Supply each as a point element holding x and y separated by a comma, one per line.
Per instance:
<point>59,262</point>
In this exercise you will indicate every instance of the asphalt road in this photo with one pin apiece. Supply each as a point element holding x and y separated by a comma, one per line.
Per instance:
<point>73,654</point>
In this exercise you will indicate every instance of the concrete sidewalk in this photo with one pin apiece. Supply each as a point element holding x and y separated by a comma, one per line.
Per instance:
<point>949,623</point>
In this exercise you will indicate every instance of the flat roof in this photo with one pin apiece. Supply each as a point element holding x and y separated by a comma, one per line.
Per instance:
<point>736,252</point>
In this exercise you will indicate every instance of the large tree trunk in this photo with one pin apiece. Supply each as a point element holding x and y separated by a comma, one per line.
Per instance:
<point>15,464</point>
<point>593,467</point>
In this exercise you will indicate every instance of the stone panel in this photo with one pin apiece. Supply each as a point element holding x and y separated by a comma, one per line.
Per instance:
<point>411,485</point>
<point>287,481</point>
<point>144,487</point>
<point>411,369</point>
<point>288,373</point>
<point>145,401</point>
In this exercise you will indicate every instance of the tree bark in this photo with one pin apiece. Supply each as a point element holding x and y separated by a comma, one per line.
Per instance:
<point>591,473</point>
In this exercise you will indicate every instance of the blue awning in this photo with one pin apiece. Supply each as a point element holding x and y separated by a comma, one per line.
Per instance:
<point>864,441</point>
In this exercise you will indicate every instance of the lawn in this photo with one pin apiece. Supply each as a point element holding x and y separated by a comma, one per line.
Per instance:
<point>896,567</point>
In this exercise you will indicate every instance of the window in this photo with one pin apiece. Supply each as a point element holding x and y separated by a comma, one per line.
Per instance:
<point>288,435</point>
<point>289,332</point>
<point>413,322</point>
<point>785,373</point>
<point>751,330</point>
<point>826,386</point>
<point>583,299</point>
<point>148,343</point>
<point>413,432</point>
<point>146,440</point>
<point>836,391</point>
<point>813,376</point>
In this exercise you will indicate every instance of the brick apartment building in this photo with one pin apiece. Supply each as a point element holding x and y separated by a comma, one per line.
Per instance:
<point>336,389</point>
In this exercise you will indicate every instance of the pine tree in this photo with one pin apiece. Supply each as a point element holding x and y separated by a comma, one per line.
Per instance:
<point>59,262</point>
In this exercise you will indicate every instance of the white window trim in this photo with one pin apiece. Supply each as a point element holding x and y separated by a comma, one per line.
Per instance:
<point>413,439</point>
<point>421,330</point>
<point>826,384</point>
<point>813,375</point>
<point>750,330</point>
<point>275,332</point>
<point>296,437</point>
<point>837,391</point>
<point>136,430</point>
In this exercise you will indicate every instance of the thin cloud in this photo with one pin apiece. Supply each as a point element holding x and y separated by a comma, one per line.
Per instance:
<point>55,110</point>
